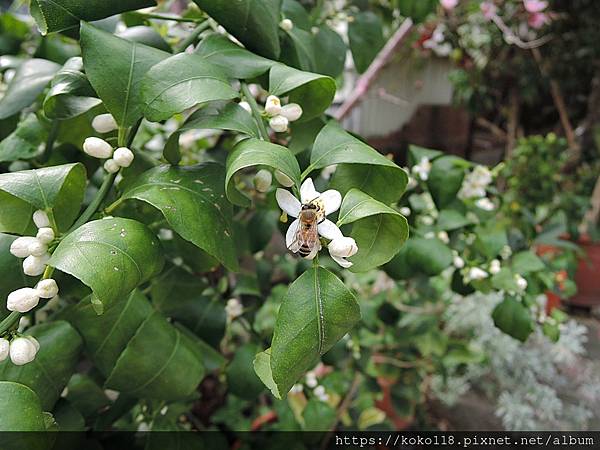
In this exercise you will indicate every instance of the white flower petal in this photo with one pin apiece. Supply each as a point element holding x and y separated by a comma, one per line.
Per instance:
<point>290,235</point>
<point>342,262</point>
<point>329,230</point>
<point>308,193</point>
<point>288,202</point>
<point>332,200</point>
<point>314,252</point>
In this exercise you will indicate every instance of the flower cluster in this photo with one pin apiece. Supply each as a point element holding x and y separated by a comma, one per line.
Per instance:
<point>22,350</point>
<point>340,247</point>
<point>474,187</point>
<point>279,115</point>
<point>35,249</point>
<point>99,148</point>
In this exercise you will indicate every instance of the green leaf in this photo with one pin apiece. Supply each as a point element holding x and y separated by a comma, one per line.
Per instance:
<point>416,154</point>
<point>60,15</point>
<point>20,218</point>
<point>418,10</point>
<point>25,142</point>
<point>112,256</point>
<point>193,202</point>
<point>29,81</point>
<point>115,68</point>
<point>379,230</point>
<point>450,219</point>
<point>491,238</point>
<point>365,35</point>
<point>255,23</point>
<point>48,374</point>
<point>70,92</point>
<point>318,416</point>
<point>317,311</point>
<point>312,91</point>
<point>56,188</point>
<point>68,418</point>
<point>241,379</point>
<point>222,116</point>
<point>86,395</point>
<point>262,368</point>
<point>299,49</point>
<point>429,256</point>
<point>11,269</point>
<point>20,410</point>
<point>445,179</point>
<point>256,153</point>
<point>513,318</point>
<point>331,51</point>
<point>145,35</point>
<point>527,262</point>
<point>234,60</point>
<point>181,82</point>
<point>505,280</point>
<point>369,171</point>
<point>293,10</point>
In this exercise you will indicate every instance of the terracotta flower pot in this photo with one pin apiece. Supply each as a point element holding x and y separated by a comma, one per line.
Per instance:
<point>587,276</point>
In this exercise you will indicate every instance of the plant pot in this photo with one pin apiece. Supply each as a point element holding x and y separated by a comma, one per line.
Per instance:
<point>587,276</point>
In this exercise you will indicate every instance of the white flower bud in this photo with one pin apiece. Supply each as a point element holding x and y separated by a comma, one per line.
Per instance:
<point>343,247</point>
<point>475,273</point>
<point>458,262</point>
<point>246,106</point>
<point>405,211</point>
<point>234,308</point>
<point>37,248</point>
<point>40,218</point>
<point>291,112</point>
<point>23,350</point>
<point>20,246</point>
<point>47,288</point>
<point>104,123</point>
<point>283,179</point>
<point>495,267</point>
<point>4,349</point>
<point>521,282</point>
<point>273,105</point>
<point>263,180</point>
<point>111,166</point>
<point>35,265</point>
<point>443,236</point>
<point>286,25</point>
<point>123,156</point>
<point>279,124</point>
<point>97,148</point>
<point>34,341</point>
<point>311,379</point>
<point>45,235</point>
<point>22,300</point>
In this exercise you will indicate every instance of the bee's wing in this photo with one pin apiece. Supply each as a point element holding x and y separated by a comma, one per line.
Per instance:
<point>292,236</point>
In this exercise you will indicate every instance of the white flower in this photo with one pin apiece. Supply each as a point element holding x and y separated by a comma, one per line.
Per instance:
<point>45,235</point>
<point>22,300</point>
<point>471,190</point>
<point>273,105</point>
<point>104,123</point>
<point>283,179</point>
<point>111,166</point>
<point>4,348</point>
<point>291,111</point>
<point>427,220</point>
<point>521,282</point>
<point>165,234</point>
<point>234,308</point>
<point>475,273</point>
<point>279,124</point>
<point>422,169</point>
<point>37,248</point>
<point>23,350</point>
<point>40,218</point>
<point>443,236</point>
<point>111,394</point>
<point>286,25</point>
<point>342,247</point>
<point>486,204</point>
<point>97,148</point>
<point>458,262</point>
<point>481,176</point>
<point>321,394</point>
<point>47,288</point>
<point>262,180</point>
<point>327,202</point>
<point>311,379</point>
<point>123,156</point>
<point>495,267</point>
<point>20,246</point>
<point>246,106</point>
<point>405,211</point>
<point>35,265</point>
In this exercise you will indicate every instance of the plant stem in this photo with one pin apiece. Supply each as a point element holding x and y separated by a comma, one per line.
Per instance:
<point>192,37</point>
<point>9,321</point>
<point>93,206</point>
<point>264,135</point>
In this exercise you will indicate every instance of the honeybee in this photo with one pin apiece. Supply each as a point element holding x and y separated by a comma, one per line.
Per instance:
<point>306,240</point>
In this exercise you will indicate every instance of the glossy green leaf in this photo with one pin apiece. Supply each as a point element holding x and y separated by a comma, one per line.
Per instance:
<point>365,35</point>
<point>112,256</point>
<point>450,219</point>
<point>445,179</point>
<point>242,381</point>
<point>234,60</point>
<point>29,81</point>
<point>256,153</point>
<point>428,256</point>
<point>68,418</point>
<point>20,219</point>
<point>25,142</point>
<point>317,311</point>
<point>418,10</point>
<point>11,269</point>
<point>331,52</point>
<point>193,202</point>
<point>312,91</point>
<point>70,92</point>
<point>145,35</point>
<point>491,238</point>
<point>181,82</point>
<point>526,262</point>
<point>379,230</point>
<point>299,49</point>
<point>513,318</point>
<point>293,10</point>
<point>222,116</point>
<point>370,171</point>
<point>115,68</point>
<point>60,15</point>
<point>48,374</point>
<point>255,23</point>
<point>20,410</point>
<point>416,154</point>
<point>262,368</point>
<point>56,188</point>
<point>86,395</point>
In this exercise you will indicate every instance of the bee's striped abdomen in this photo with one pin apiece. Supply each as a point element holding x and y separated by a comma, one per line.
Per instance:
<point>304,250</point>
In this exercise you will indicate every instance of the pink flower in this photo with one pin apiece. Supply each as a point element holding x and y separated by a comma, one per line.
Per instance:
<point>449,4</point>
<point>535,6</point>
<point>488,9</point>
<point>538,20</point>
